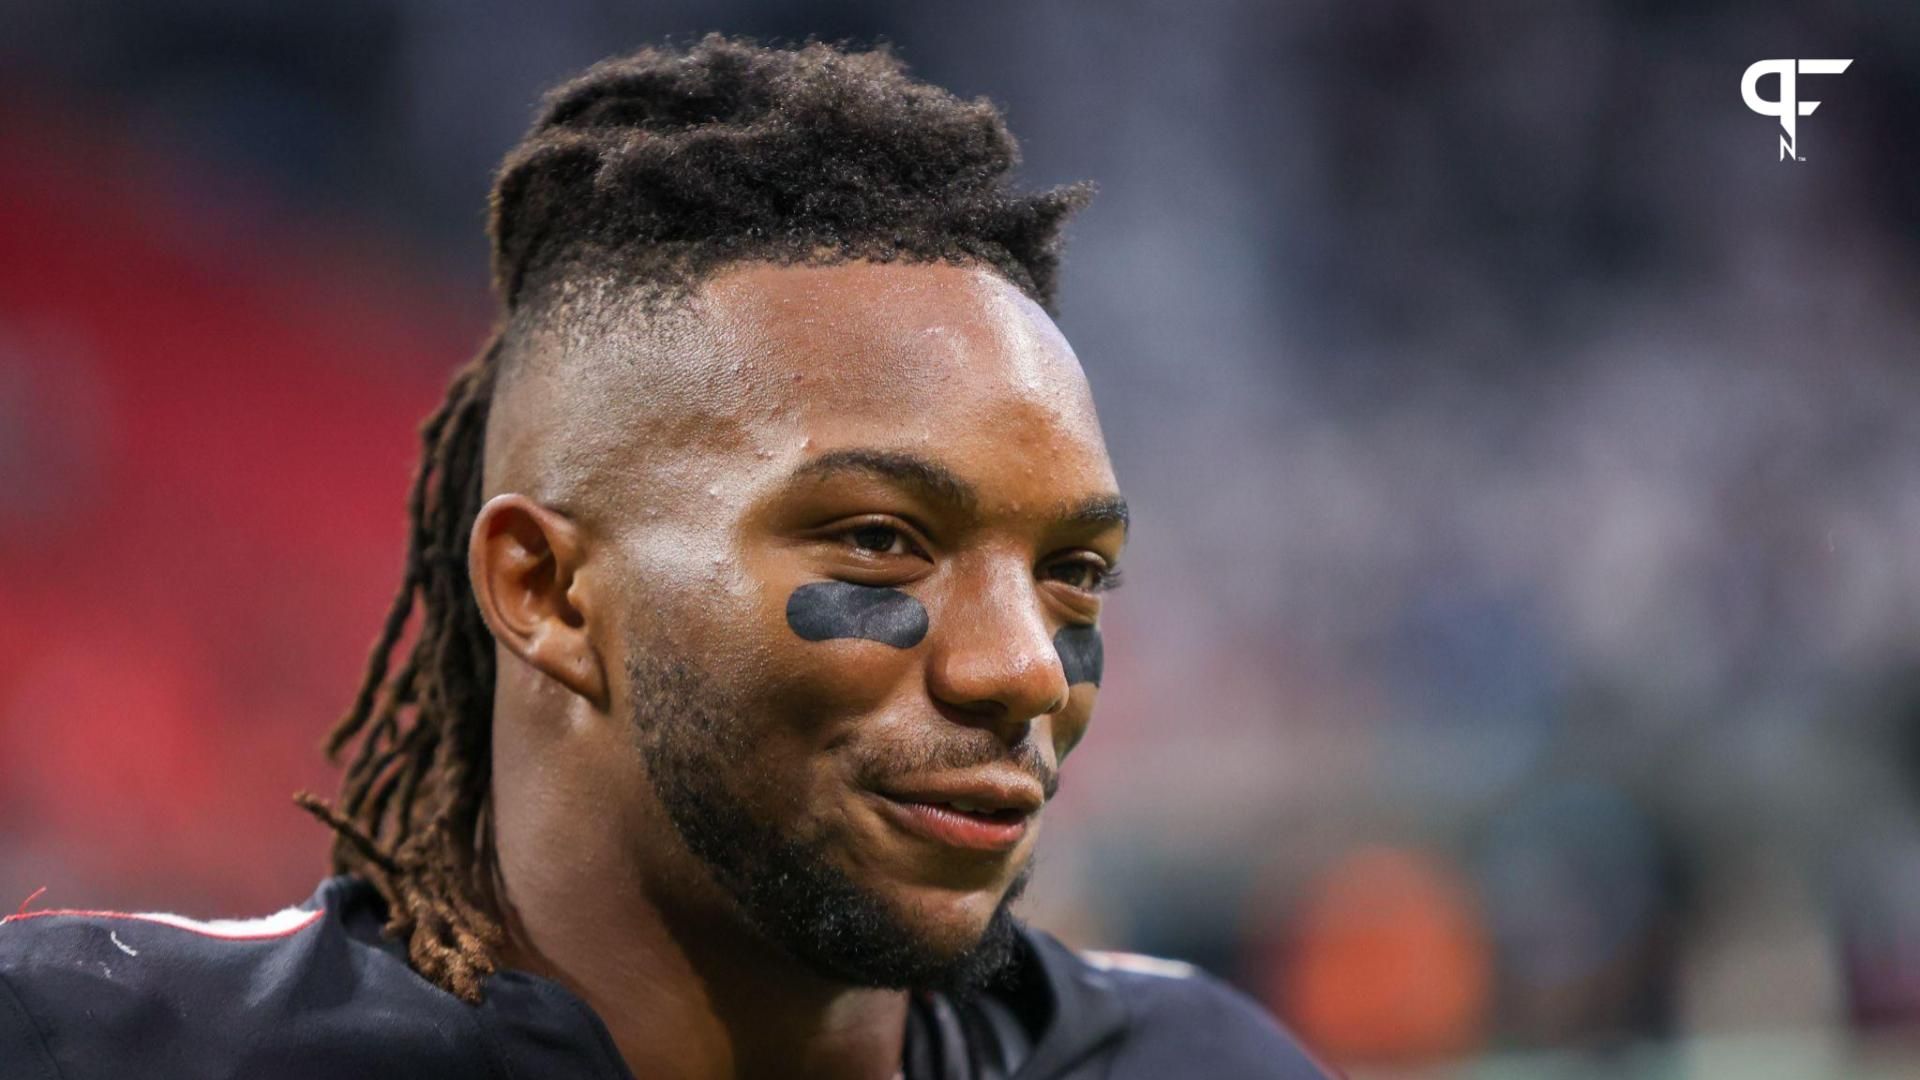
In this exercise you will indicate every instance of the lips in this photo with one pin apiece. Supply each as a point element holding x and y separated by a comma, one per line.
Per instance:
<point>979,811</point>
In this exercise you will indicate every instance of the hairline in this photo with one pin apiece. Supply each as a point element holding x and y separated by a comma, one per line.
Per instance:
<point>582,307</point>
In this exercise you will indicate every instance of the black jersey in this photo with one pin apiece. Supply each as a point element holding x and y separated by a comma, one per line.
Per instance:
<point>317,991</point>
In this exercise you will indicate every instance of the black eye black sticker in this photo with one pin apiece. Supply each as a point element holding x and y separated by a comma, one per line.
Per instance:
<point>826,610</point>
<point>1081,654</point>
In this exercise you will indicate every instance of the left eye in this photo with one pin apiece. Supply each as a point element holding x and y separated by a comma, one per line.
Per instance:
<point>1081,574</point>
<point>880,540</point>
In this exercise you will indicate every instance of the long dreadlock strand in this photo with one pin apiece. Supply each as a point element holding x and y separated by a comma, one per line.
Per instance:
<point>409,802</point>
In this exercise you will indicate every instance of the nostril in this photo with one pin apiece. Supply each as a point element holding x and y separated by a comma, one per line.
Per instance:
<point>987,708</point>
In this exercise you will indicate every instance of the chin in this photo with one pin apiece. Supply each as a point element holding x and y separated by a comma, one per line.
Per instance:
<point>914,934</point>
<point>948,922</point>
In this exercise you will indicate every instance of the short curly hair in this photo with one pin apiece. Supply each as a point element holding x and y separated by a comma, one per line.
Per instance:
<point>652,171</point>
<point>669,164</point>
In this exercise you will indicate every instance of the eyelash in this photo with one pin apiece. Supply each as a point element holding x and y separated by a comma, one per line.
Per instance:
<point>876,526</point>
<point>1106,578</point>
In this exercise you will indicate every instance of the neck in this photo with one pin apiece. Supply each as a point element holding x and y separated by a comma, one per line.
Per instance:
<point>697,1002</point>
<point>686,990</point>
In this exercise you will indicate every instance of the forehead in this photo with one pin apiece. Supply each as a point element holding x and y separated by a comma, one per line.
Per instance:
<point>954,363</point>
<point>887,342</point>
<point>768,366</point>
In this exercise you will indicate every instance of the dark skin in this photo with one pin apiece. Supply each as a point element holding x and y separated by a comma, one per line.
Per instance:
<point>666,489</point>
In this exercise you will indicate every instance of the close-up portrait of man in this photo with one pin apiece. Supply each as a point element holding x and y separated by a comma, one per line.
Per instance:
<point>750,616</point>
<point>1086,540</point>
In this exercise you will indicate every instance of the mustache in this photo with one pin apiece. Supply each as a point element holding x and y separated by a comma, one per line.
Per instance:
<point>964,749</point>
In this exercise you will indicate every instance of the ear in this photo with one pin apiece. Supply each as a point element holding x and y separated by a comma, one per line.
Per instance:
<point>525,560</point>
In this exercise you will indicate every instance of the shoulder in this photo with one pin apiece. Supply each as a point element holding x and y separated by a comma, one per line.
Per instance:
<point>99,993</point>
<point>1180,1021</point>
<point>1184,1022</point>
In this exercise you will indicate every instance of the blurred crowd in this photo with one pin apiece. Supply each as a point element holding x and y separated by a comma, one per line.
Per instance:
<point>1521,649</point>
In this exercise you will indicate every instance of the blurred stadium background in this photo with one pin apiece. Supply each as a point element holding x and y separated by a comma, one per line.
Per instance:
<point>1520,670</point>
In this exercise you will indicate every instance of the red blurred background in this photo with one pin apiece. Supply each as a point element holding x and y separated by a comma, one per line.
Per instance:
<point>212,442</point>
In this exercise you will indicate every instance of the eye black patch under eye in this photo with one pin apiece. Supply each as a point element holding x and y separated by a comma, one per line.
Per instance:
<point>1081,653</point>
<point>826,610</point>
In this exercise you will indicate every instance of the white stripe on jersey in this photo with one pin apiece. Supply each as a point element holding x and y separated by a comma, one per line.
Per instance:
<point>1138,964</point>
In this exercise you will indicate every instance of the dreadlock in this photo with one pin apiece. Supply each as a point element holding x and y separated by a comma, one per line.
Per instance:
<point>650,172</point>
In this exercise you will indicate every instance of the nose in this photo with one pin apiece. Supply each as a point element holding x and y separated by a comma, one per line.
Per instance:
<point>993,662</point>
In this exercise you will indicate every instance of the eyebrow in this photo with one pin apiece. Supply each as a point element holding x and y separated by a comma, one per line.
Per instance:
<point>1097,510</point>
<point>935,481</point>
<point>941,484</point>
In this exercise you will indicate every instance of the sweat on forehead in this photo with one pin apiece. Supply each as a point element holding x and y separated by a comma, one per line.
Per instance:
<point>603,393</point>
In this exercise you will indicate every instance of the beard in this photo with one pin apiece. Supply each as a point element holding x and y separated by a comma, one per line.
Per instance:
<point>789,890</point>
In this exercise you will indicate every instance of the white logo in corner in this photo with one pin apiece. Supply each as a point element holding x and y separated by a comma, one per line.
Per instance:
<point>1789,108</point>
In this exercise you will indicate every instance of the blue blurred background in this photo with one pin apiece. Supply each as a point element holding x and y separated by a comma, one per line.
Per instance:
<point>1519,673</point>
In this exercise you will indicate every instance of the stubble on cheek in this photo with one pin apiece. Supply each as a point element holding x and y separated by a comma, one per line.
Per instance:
<point>787,880</point>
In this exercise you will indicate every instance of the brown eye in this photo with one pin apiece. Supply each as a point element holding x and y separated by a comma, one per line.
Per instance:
<point>1084,574</point>
<point>879,539</point>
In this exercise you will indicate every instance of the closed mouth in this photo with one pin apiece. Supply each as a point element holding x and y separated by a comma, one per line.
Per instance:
<point>980,820</point>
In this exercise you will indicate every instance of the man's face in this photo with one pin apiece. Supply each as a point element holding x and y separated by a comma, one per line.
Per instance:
<point>855,563</point>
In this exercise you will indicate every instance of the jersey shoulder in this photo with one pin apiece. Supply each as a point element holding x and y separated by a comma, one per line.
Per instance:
<point>1182,1021</point>
<point>110,994</point>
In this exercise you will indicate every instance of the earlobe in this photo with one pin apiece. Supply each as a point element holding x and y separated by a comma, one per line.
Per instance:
<point>525,562</point>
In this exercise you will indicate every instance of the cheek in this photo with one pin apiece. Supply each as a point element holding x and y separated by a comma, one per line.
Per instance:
<point>1083,658</point>
<point>1081,654</point>
<point>1070,725</point>
<point>839,650</point>
<point>829,610</point>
